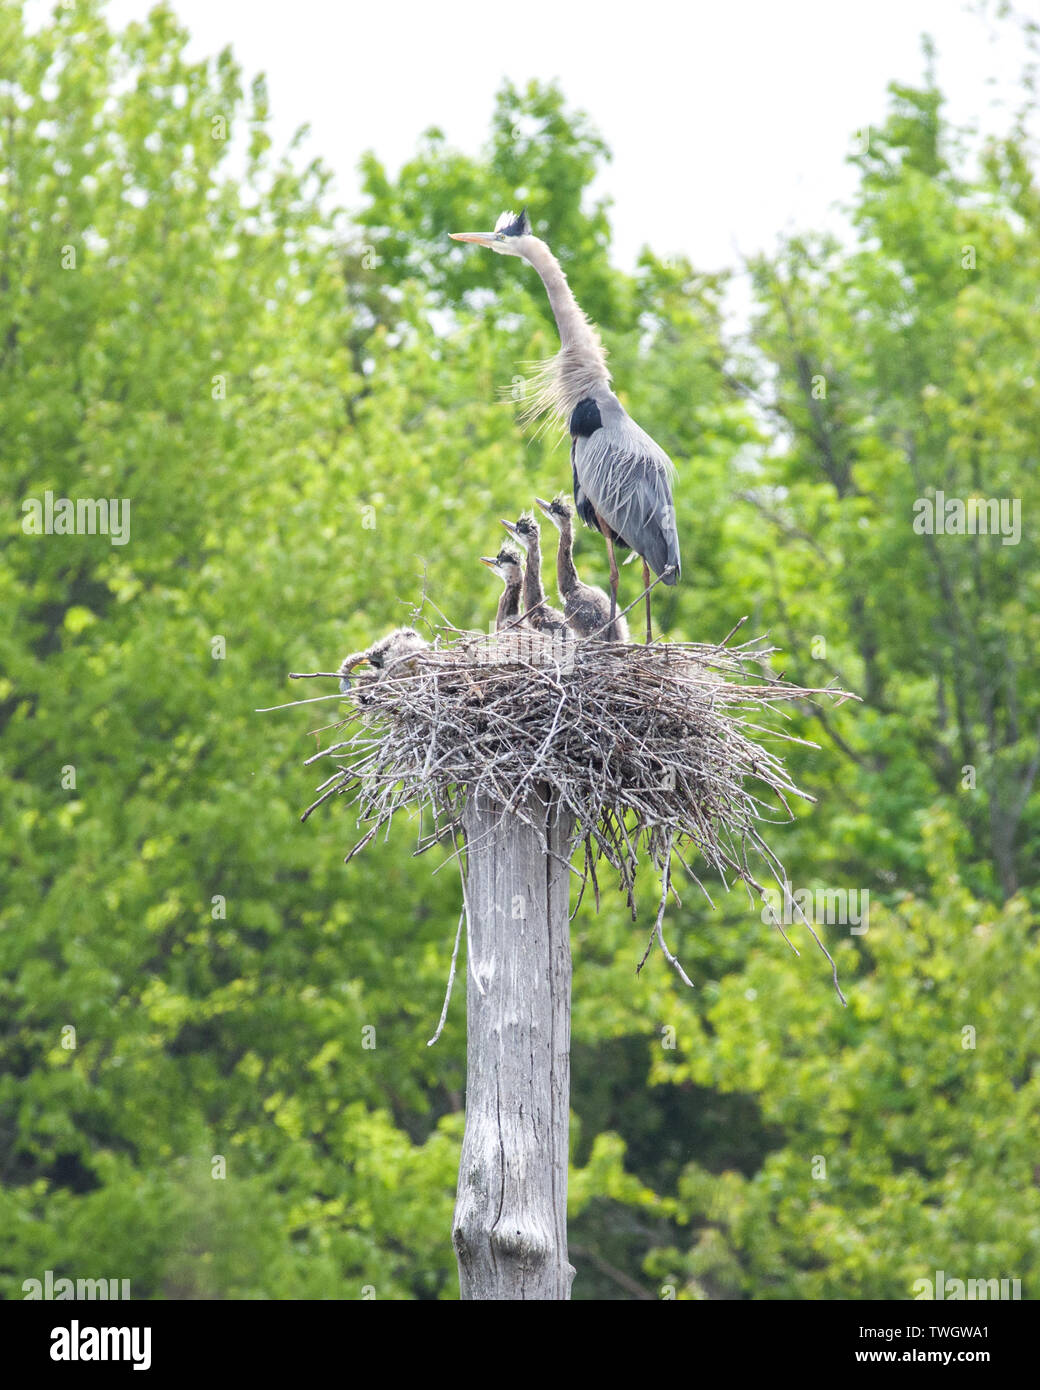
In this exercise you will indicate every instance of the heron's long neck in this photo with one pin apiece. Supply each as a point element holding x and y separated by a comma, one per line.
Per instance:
<point>534,593</point>
<point>566,574</point>
<point>581,364</point>
<point>508,605</point>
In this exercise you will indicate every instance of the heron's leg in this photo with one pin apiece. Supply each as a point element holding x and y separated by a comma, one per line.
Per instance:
<point>646,587</point>
<point>613,577</point>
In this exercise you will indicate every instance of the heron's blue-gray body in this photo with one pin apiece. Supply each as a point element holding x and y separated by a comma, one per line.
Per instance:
<point>623,481</point>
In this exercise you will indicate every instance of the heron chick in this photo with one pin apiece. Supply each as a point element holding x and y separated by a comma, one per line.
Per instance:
<point>622,477</point>
<point>536,610</point>
<point>586,608</point>
<point>390,655</point>
<point>509,567</point>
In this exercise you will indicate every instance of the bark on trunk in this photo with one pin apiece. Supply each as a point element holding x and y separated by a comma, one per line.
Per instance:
<point>510,1227</point>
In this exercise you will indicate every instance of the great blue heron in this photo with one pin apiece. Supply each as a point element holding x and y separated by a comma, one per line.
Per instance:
<point>390,655</point>
<point>509,568</point>
<point>586,608</point>
<point>536,610</point>
<point>622,478</point>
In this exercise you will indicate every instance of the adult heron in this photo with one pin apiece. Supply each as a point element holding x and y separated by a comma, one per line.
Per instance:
<point>586,608</point>
<point>509,568</point>
<point>536,610</point>
<point>622,478</point>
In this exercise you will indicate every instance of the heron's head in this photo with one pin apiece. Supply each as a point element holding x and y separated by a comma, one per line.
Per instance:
<point>507,564</point>
<point>403,641</point>
<point>525,530</point>
<point>511,237</point>
<point>559,510</point>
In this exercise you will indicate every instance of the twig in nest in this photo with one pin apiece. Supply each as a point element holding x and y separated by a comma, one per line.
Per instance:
<point>451,980</point>
<point>657,931</point>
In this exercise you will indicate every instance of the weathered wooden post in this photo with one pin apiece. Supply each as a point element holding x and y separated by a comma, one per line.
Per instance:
<point>510,1227</point>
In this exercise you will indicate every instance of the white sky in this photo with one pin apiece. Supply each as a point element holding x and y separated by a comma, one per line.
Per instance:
<point>729,119</point>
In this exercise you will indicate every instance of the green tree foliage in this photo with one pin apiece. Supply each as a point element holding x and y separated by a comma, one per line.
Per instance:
<point>213,1072</point>
<point>905,369</point>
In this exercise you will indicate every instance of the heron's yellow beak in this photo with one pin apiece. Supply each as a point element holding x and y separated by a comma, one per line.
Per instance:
<point>480,238</point>
<point>353,660</point>
<point>490,560</point>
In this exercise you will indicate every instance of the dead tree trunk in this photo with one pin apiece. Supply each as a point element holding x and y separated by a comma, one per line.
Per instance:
<point>510,1228</point>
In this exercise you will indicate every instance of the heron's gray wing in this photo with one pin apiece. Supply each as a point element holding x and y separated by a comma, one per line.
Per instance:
<point>627,478</point>
<point>581,503</point>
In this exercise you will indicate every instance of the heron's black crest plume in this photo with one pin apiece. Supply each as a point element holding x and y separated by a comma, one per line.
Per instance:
<point>510,224</point>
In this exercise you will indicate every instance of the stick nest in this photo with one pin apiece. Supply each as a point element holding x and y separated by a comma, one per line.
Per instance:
<point>654,750</point>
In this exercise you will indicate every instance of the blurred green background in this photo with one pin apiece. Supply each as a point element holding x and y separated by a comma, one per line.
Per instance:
<point>303,408</point>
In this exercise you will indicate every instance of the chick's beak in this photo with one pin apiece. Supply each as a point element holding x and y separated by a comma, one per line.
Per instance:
<point>346,677</point>
<point>490,560</point>
<point>510,528</point>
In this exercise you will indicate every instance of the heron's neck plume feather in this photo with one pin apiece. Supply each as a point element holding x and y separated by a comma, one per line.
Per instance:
<point>580,366</point>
